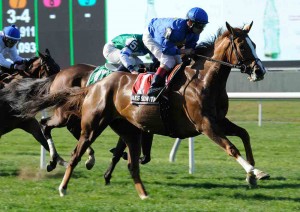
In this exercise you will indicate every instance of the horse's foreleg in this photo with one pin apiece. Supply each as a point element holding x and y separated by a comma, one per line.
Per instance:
<point>33,127</point>
<point>81,147</point>
<point>131,135</point>
<point>47,124</point>
<point>134,149</point>
<point>146,142</point>
<point>216,134</point>
<point>231,129</point>
<point>117,154</point>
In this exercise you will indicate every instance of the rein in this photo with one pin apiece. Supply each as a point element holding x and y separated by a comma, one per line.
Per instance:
<point>29,74</point>
<point>239,65</point>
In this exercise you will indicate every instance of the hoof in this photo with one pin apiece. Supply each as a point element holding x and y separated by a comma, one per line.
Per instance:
<point>51,166</point>
<point>62,162</point>
<point>62,192</point>
<point>143,197</point>
<point>89,164</point>
<point>262,176</point>
<point>107,179</point>
<point>251,179</point>
<point>145,159</point>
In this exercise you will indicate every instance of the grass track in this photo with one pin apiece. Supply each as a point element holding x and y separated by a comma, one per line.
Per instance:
<point>217,185</point>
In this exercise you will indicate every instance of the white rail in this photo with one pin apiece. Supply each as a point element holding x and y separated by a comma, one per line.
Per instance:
<point>258,96</point>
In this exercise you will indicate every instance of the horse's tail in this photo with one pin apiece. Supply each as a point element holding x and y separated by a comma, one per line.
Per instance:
<point>17,93</point>
<point>70,100</point>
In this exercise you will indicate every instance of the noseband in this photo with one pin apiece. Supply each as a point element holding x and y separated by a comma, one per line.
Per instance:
<point>241,63</point>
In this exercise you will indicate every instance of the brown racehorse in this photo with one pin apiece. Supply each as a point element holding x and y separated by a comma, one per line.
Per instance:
<point>197,98</point>
<point>77,76</point>
<point>37,67</point>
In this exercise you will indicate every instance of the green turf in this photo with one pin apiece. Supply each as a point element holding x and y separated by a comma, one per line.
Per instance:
<point>218,183</point>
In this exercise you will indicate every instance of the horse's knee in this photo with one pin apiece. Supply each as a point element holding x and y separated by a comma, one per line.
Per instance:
<point>233,151</point>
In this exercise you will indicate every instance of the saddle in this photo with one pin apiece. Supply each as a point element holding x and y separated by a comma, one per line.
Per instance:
<point>142,85</point>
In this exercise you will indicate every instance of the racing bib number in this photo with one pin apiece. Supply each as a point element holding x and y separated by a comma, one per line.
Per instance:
<point>133,46</point>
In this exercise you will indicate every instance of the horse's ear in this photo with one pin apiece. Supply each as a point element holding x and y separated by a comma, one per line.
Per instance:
<point>47,52</point>
<point>41,54</point>
<point>230,29</point>
<point>247,27</point>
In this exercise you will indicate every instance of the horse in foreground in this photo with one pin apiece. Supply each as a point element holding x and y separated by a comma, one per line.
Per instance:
<point>38,67</point>
<point>197,98</point>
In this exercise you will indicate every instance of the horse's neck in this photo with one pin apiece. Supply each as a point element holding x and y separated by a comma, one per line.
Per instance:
<point>217,74</point>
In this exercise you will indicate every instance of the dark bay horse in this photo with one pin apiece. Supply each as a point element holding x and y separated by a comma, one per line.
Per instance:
<point>37,67</point>
<point>197,98</point>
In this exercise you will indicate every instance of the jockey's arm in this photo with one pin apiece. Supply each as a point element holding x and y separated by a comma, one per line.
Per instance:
<point>127,51</point>
<point>14,56</point>
<point>5,63</point>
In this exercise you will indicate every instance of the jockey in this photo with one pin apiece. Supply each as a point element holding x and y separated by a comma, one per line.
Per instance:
<point>164,37</point>
<point>9,37</point>
<point>124,50</point>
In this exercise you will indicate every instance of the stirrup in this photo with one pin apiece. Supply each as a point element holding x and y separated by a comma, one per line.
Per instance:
<point>154,91</point>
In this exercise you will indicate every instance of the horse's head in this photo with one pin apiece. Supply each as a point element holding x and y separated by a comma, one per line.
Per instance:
<point>242,53</point>
<point>42,66</point>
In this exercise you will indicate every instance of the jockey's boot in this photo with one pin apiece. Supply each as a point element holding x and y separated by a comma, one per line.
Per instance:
<point>157,84</point>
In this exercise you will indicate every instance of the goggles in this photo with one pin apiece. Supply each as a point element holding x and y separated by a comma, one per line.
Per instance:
<point>198,25</point>
<point>10,42</point>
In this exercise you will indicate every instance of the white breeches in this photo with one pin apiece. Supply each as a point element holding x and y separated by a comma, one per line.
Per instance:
<point>167,60</point>
<point>113,55</point>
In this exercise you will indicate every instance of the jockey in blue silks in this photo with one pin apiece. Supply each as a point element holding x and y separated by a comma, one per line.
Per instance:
<point>165,37</point>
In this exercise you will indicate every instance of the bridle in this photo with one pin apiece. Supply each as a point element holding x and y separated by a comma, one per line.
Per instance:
<point>241,62</point>
<point>27,72</point>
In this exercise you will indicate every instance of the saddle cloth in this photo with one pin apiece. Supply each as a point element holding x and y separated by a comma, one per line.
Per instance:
<point>99,73</point>
<point>142,85</point>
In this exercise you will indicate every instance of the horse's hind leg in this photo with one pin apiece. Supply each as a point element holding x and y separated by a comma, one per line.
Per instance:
<point>87,137</point>
<point>231,129</point>
<point>33,127</point>
<point>74,127</point>
<point>117,154</point>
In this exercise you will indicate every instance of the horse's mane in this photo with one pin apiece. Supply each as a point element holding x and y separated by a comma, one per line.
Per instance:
<point>207,46</point>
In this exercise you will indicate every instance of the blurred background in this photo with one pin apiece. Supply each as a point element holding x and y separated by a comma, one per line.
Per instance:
<point>75,31</point>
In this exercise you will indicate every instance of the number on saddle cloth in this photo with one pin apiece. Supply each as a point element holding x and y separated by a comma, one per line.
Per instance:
<point>99,73</point>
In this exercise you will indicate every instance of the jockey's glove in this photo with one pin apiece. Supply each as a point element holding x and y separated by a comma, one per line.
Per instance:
<point>187,51</point>
<point>18,67</point>
<point>20,62</point>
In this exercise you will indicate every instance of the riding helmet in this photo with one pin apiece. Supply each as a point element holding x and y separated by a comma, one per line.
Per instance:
<point>198,15</point>
<point>12,32</point>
